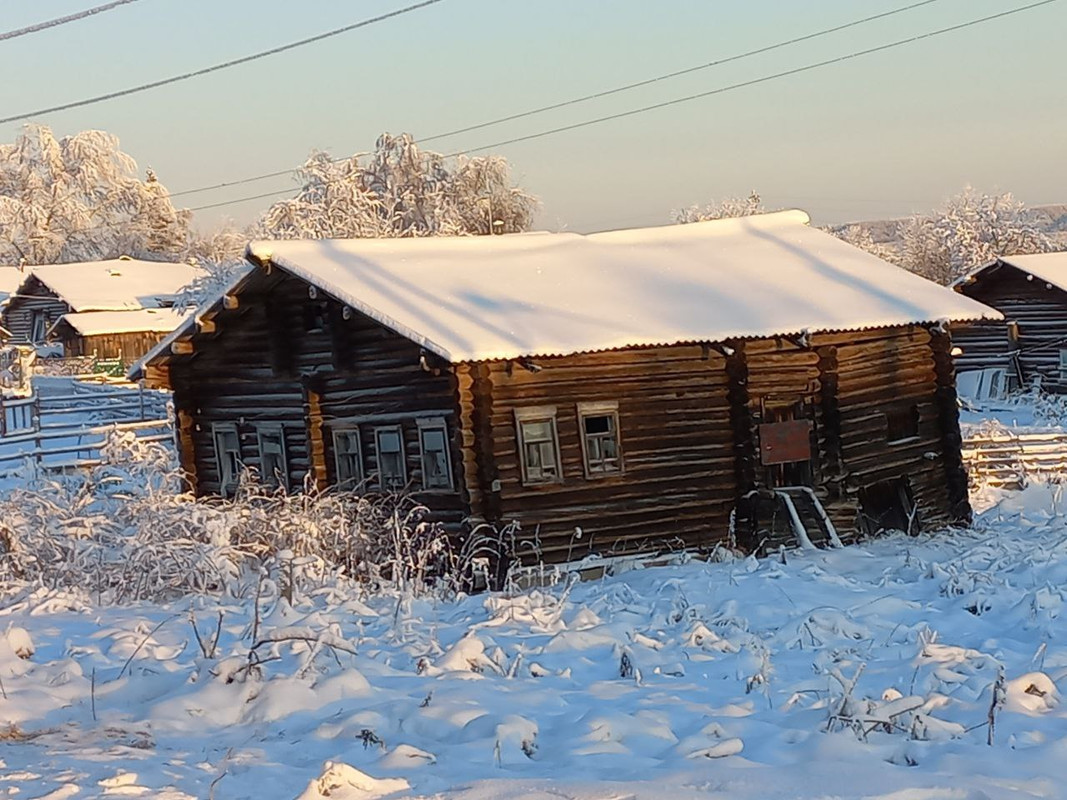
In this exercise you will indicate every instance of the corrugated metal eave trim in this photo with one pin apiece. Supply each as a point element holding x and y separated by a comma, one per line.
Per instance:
<point>745,337</point>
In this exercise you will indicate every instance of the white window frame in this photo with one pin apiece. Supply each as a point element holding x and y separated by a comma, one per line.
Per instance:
<point>378,431</point>
<point>351,431</point>
<point>282,475</point>
<point>610,409</point>
<point>227,482</point>
<point>436,424</point>
<point>38,319</point>
<point>531,414</point>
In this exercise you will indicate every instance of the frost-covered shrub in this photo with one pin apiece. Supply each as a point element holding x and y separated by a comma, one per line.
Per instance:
<point>125,531</point>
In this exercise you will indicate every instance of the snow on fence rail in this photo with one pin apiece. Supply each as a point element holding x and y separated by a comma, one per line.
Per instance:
<point>1010,459</point>
<point>66,422</point>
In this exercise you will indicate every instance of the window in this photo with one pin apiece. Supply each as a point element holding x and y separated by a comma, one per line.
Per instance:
<point>538,445</point>
<point>272,466</point>
<point>315,316</point>
<point>389,448</point>
<point>228,456</point>
<point>902,424</point>
<point>1063,366</point>
<point>600,438</point>
<point>433,451</point>
<point>347,457</point>
<point>38,327</point>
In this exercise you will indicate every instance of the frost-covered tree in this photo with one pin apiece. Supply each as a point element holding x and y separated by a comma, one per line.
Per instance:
<point>970,229</point>
<point>724,209</point>
<point>225,243</point>
<point>400,190</point>
<point>860,236</point>
<point>79,198</point>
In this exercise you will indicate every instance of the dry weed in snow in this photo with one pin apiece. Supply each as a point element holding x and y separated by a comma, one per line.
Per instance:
<point>886,670</point>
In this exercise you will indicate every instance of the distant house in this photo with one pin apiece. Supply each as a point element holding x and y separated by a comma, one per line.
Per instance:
<point>614,393</point>
<point>1030,344</point>
<point>66,299</point>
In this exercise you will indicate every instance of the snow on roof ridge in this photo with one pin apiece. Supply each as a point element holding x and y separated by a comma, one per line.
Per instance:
<point>479,298</point>
<point>1050,267</point>
<point>137,282</point>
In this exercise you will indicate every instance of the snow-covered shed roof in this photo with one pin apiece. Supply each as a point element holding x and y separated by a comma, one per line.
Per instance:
<point>481,298</point>
<point>115,285</point>
<point>143,320</point>
<point>1048,267</point>
<point>11,278</point>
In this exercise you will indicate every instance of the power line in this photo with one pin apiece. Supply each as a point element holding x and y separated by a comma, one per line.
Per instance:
<point>755,81</point>
<point>677,73</point>
<point>596,95</point>
<point>224,65</point>
<point>700,95</point>
<point>53,23</point>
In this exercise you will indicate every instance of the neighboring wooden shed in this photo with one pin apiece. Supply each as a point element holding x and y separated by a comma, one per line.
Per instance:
<point>50,292</point>
<point>122,335</point>
<point>1030,344</point>
<point>614,393</point>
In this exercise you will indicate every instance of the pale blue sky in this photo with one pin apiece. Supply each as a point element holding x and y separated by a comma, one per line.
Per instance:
<point>884,135</point>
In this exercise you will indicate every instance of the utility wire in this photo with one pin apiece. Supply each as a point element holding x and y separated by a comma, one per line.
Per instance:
<point>678,73</point>
<point>596,95</point>
<point>689,98</point>
<point>755,81</point>
<point>53,23</point>
<point>224,65</point>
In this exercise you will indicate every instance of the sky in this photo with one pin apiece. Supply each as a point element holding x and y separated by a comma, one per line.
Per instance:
<point>880,136</point>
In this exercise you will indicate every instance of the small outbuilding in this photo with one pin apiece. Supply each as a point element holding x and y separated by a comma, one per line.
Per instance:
<point>751,379</point>
<point>1027,347</point>
<point>132,298</point>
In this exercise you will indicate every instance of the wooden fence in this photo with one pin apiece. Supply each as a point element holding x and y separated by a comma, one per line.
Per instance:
<point>60,431</point>
<point>1010,459</point>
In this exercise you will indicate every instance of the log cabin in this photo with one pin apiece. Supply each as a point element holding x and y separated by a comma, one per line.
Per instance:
<point>1027,347</point>
<point>64,300</point>
<point>753,381</point>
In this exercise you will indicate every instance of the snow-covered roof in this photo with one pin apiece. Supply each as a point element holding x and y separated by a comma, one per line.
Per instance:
<point>481,298</point>
<point>1048,267</point>
<point>144,320</point>
<point>11,278</point>
<point>115,285</point>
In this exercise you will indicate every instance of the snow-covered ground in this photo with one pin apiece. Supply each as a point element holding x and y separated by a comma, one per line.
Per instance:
<point>711,680</point>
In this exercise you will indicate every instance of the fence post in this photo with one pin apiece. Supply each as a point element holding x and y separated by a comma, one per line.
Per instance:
<point>140,397</point>
<point>3,416</point>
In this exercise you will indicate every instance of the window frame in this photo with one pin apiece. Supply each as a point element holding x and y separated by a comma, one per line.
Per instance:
<point>399,431</point>
<point>282,476</point>
<point>912,411</point>
<point>438,424</point>
<point>1063,365</point>
<point>356,436</point>
<point>39,318</point>
<point>531,414</point>
<point>218,429</point>
<point>606,408</point>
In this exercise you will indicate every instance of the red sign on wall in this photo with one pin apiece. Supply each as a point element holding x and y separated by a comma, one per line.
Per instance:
<point>785,442</point>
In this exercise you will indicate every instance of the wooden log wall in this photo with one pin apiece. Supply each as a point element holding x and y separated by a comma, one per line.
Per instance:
<point>1039,309</point>
<point>128,347</point>
<point>882,374</point>
<point>274,359</point>
<point>33,297</point>
<point>678,483</point>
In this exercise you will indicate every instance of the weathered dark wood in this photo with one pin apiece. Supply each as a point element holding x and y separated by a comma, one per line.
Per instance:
<point>1038,309</point>
<point>32,298</point>
<point>880,404</point>
<point>127,347</point>
<point>261,365</point>
<point>677,487</point>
